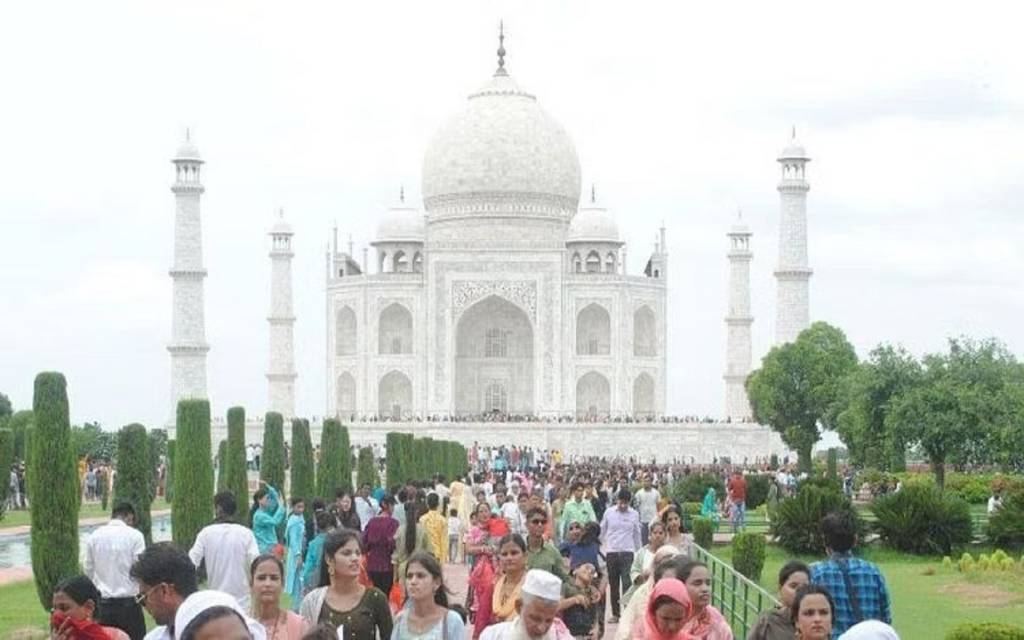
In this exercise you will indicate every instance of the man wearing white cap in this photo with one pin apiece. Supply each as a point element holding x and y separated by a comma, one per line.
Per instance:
<point>870,630</point>
<point>203,606</point>
<point>537,610</point>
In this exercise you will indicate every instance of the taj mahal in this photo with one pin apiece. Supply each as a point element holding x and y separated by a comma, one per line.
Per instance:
<point>501,310</point>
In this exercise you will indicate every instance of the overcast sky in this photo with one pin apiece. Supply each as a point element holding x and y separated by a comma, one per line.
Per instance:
<point>913,114</point>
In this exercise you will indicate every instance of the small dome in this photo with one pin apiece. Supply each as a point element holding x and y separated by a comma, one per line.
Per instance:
<point>281,228</point>
<point>593,224</point>
<point>794,150</point>
<point>502,145</point>
<point>187,151</point>
<point>401,223</point>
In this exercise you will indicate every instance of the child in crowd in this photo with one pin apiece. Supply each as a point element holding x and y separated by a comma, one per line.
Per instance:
<point>580,598</point>
<point>454,531</point>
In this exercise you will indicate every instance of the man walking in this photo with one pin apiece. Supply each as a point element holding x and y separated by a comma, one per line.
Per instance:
<point>647,500</point>
<point>620,535</point>
<point>576,510</point>
<point>738,498</point>
<point>857,586</point>
<point>166,577</point>
<point>228,548</point>
<point>366,506</point>
<point>109,554</point>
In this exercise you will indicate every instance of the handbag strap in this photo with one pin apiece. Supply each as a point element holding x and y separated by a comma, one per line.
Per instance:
<point>844,568</point>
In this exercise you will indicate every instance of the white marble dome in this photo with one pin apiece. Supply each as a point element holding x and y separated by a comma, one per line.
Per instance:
<point>187,151</point>
<point>502,145</point>
<point>593,224</point>
<point>400,223</point>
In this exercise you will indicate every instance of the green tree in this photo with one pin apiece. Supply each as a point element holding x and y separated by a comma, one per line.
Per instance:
<point>6,458</point>
<point>133,480</point>
<point>54,488</point>
<point>962,405</point>
<point>19,424</point>
<point>222,457</point>
<point>335,471</point>
<point>798,386</point>
<point>235,468</point>
<point>169,473</point>
<point>92,442</point>
<point>366,469</point>
<point>871,389</point>
<point>303,483</point>
<point>192,508</point>
<point>272,461</point>
<point>6,409</point>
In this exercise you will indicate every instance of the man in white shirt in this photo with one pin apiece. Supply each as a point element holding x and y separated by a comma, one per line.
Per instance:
<point>647,505</point>
<point>366,506</point>
<point>109,554</point>
<point>228,549</point>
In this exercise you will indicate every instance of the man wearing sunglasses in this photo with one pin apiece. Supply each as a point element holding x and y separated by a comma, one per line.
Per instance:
<point>540,553</point>
<point>166,576</point>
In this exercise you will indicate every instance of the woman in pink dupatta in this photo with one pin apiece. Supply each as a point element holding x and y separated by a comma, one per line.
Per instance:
<point>707,622</point>
<point>668,610</point>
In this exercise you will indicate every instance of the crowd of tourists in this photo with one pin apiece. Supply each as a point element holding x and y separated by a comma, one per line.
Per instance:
<point>499,416</point>
<point>554,550</point>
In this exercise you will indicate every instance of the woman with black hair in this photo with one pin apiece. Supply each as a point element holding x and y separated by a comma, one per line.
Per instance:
<point>410,538</point>
<point>812,612</point>
<point>74,604</point>
<point>778,623</point>
<point>426,613</point>
<point>267,576</point>
<point>358,612</point>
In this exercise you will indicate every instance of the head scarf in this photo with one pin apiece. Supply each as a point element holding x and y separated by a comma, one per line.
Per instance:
<point>200,601</point>
<point>709,507</point>
<point>870,630</point>
<point>675,590</point>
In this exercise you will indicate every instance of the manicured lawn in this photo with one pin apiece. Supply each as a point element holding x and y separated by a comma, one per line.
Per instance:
<point>88,510</point>
<point>20,608</point>
<point>928,600</point>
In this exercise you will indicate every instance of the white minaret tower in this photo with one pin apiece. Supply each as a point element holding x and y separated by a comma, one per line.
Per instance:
<point>281,372</point>
<point>188,331</point>
<point>792,276</point>
<point>737,322</point>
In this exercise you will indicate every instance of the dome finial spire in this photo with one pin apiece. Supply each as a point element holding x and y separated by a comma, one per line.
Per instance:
<point>793,133</point>
<point>401,194</point>
<point>501,50</point>
<point>593,194</point>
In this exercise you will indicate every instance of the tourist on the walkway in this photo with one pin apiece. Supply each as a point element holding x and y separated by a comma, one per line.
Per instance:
<point>576,509</point>
<point>315,552</point>
<point>561,495</point>
<point>294,537</point>
<point>344,511</point>
<point>409,539</point>
<point>426,615</point>
<point>436,528</point>
<point>668,609</point>
<point>778,623</point>
<point>512,559</point>
<point>583,544</point>
<point>75,601</point>
<point>541,553</point>
<point>580,598</point>
<point>737,489</point>
<point>709,507</point>
<point>379,544</point>
<point>535,615</point>
<point>214,615</point>
<point>667,564</point>
<point>868,596</point>
<point>870,630</point>
<point>621,537</point>
<point>455,530</point>
<point>647,499</point>
<point>342,601</point>
<point>267,575</point>
<point>477,535</point>
<point>267,515</point>
<point>643,559</point>
<point>707,622</point>
<point>166,576</point>
<point>109,554</point>
<point>675,534</point>
<point>366,505</point>
<point>813,613</point>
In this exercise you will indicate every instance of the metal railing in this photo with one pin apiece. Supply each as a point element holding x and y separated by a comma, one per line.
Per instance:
<point>740,600</point>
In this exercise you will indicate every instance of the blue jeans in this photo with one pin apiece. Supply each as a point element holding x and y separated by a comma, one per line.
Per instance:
<point>739,516</point>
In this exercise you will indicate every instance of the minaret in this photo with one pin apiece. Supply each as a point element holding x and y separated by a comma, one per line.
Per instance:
<point>792,276</point>
<point>281,372</point>
<point>188,346</point>
<point>737,322</point>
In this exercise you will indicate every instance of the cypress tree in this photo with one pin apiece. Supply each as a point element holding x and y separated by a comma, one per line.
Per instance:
<point>237,480</point>
<point>272,460</point>
<point>6,459</point>
<point>302,478</point>
<point>392,466</point>
<point>53,476</point>
<point>335,470</point>
<point>132,482</point>
<point>222,457</point>
<point>169,474</point>
<point>366,470</point>
<point>193,473</point>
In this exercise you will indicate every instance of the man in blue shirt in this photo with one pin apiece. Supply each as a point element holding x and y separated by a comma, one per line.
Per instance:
<point>857,586</point>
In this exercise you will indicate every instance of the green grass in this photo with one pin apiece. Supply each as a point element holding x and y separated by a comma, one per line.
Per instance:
<point>927,600</point>
<point>88,510</point>
<point>21,608</point>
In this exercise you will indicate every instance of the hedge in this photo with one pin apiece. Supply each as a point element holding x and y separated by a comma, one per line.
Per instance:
<point>272,460</point>
<point>169,474</point>
<point>132,482</point>
<point>410,458</point>
<point>222,456</point>
<point>335,471</point>
<point>193,473</point>
<point>302,483</point>
<point>235,470</point>
<point>366,469</point>
<point>986,631</point>
<point>703,531</point>
<point>54,488</point>
<point>1006,525</point>
<point>692,487</point>
<point>6,459</point>
<point>748,550</point>
<point>922,520</point>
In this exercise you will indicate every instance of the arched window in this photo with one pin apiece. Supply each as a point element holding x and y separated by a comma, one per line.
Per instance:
<point>345,332</point>
<point>401,262</point>
<point>593,396</point>
<point>394,395</point>
<point>645,336</point>
<point>593,262</point>
<point>577,263</point>
<point>643,396</point>
<point>345,398</point>
<point>593,331</point>
<point>417,263</point>
<point>609,263</point>
<point>395,331</point>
